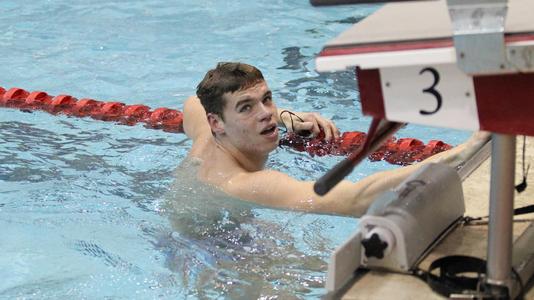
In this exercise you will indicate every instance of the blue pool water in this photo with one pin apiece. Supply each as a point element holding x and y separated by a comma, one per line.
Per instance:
<point>84,204</point>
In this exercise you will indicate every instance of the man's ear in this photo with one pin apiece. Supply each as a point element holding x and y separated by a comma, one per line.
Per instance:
<point>216,123</point>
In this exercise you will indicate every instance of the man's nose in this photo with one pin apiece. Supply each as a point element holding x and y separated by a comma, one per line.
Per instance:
<point>265,113</point>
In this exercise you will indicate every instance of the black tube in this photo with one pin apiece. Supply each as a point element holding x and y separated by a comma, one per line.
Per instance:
<point>524,210</point>
<point>342,2</point>
<point>324,184</point>
<point>384,129</point>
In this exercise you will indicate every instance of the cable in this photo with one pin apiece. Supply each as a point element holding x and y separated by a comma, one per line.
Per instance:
<point>523,185</point>
<point>521,294</point>
<point>291,114</point>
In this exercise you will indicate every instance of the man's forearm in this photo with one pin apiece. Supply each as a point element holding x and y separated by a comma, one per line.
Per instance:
<point>354,198</point>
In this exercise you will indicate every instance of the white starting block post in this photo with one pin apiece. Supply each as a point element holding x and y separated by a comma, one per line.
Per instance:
<point>464,64</point>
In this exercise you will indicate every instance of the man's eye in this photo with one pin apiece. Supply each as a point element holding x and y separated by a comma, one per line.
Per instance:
<point>267,99</point>
<point>245,108</point>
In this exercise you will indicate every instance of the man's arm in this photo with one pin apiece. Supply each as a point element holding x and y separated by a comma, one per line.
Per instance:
<point>195,120</point>
<point>276,189</point>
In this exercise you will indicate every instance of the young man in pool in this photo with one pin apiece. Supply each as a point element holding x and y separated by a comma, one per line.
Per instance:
<point>233,122</point>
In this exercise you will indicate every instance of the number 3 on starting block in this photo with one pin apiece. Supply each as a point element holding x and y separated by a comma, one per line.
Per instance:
<point>438,95</point>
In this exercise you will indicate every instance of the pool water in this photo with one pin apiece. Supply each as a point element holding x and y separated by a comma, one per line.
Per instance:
<point>84,205</point>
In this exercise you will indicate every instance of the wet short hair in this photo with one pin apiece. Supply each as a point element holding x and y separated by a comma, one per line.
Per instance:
<point>227,77</point>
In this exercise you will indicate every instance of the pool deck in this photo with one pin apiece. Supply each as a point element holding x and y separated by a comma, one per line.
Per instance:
<point>465,240</point>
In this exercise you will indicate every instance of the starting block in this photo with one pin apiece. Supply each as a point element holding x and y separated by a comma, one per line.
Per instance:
<point>407,69</point>
<point>463,64</point>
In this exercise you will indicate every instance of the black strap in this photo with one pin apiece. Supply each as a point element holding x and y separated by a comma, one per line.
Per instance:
<point>523,185</point>
<point>291,115</point>
<point>518,211</point>
<point>449,281</point>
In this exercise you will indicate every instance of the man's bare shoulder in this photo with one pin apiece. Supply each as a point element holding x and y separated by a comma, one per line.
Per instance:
<point>245,179</point>
<point>267,187</point>
<point>215,167</point>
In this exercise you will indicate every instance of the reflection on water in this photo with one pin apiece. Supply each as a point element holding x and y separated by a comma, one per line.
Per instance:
<point>81,212</point>
<point>80,199</point>
<point>227,247</point>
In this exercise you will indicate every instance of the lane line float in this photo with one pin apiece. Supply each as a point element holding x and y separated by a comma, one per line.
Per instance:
<point>403,151</point>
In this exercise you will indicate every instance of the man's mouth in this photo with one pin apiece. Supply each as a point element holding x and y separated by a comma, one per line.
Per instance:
<point>268,130</point>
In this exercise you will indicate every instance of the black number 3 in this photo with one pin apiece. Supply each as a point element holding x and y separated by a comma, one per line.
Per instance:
<point>432,90</point>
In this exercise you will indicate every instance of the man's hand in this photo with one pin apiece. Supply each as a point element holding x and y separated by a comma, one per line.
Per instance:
<point>308,122</point>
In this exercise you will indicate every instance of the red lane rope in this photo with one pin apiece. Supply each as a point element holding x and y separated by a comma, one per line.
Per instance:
<point>402,151</point>
<point>161,118</point>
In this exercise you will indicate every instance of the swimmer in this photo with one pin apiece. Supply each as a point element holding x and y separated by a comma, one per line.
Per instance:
<point>233,122</point>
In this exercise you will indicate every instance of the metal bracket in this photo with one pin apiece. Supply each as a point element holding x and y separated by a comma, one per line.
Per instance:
<point>521,57</point>
<point>478,27</point>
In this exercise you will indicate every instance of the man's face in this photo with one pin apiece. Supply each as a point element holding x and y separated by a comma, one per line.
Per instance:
<point>250,119</point>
